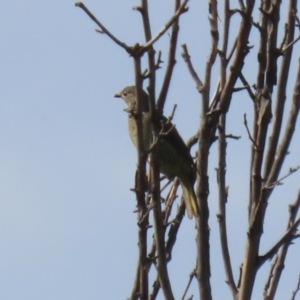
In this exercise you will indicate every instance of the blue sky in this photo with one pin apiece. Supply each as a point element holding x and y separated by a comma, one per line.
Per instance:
<point>67,230</point>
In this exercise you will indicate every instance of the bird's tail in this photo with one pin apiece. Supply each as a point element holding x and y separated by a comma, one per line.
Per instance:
<point>190,199</point>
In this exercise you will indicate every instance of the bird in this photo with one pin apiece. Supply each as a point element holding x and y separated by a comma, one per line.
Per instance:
<point>174,157</point>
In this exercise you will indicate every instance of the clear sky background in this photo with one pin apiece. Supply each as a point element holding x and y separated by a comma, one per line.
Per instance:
<point>67,228</point>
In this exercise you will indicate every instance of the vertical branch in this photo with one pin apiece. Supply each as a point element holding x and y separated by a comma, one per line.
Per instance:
<point>273,53</point>
<point>203,247</point>
<point>221,172</point>
<point>282,150</point>
<point>213,20</point>
<point>136,285</point>
<point>205,138</point>
<point>263,42</point>
<point>159,230</point>
<point>281,91</point>
<point>141,186</point>
<point>296,290</point>
<point>151,52</point>
<point>171,63</point>
<point>241,50</point>
<point>223,194</point>
<point>262,116</point>
<point>278,267</point>
<point>256,152</point>
<point>259,204</point>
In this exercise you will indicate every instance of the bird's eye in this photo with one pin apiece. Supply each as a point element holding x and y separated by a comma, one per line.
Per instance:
<point>124,94</point>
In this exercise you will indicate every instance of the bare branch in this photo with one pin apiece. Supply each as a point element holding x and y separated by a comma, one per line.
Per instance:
<point>191,277</point>
<point>242,5</point>
<point>159,230</point>
<point>214,32</point>
<point>282,150</point>
<point>231,52</point>
<point>186,57</point>
<point>240,88</point>
<point>296,290</point>
<point>206,135</point>
<point>171,62</point>
<point>146,73</point>
<point>297,21</point>
<point>221,171</point>
<point>149,43</point>
<point>248,131</point>
<point>231,136</point>
<point>136,284</point>
<point>281,92</point>
<point>290,44</point>
<point>155,288</point>
<point>269,280</point>
<point>279,262</point>
<point>151,57</point>
<point>279,181</point>
<point>182,9</point>
<point>174,225</point>
<point>141,186</point>
<point>241,49</point>
<point>246,84</point>
<point>103,28</point>
<point>172,235</point>
<point>173,112</point>
<point>272,50</point>
<point>223,194</point>
<point>284,39</point>
<point>286,238</point>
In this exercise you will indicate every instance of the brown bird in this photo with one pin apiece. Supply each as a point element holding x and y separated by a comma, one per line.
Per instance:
<point>173,155</point>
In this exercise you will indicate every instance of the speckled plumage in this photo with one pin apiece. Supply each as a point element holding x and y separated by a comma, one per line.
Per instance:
<point>173,155</point>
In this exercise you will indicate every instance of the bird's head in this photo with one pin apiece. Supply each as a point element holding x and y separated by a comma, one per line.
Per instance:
<point>128,94</point>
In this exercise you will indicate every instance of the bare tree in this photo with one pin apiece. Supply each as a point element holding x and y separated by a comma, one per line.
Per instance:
<point>269,141</point>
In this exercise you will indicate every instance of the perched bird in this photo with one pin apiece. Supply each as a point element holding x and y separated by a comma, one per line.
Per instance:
<point>173,155</point>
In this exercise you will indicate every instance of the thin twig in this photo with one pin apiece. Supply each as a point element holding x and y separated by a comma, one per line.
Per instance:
<point>171,62</point>
<point>293,211</point>
<point>172,235</point>
<point>223,194</point>
<point>248,131</point>
<point>269,280</point>
<point>240,88</point>
<point>174,224</point>
<point>173,112</point>
<point>232,136</point>
<point>182,9</point>
<point>290,44</point>
<point>279,181</point>
<point>284,37</point>
<point>281,95</point>
<point>103,28</point>
<point>246,84</point>
<point>151,57</point>
<point>192,275</point>
<point>282,150</point>
<point>288,236</point>
<point>296,290</point>
<point>146,73</point>
<point>186,57</point>
<point>232,51</point>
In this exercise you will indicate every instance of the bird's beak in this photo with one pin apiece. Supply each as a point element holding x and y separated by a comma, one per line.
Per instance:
<point>117,95</point>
